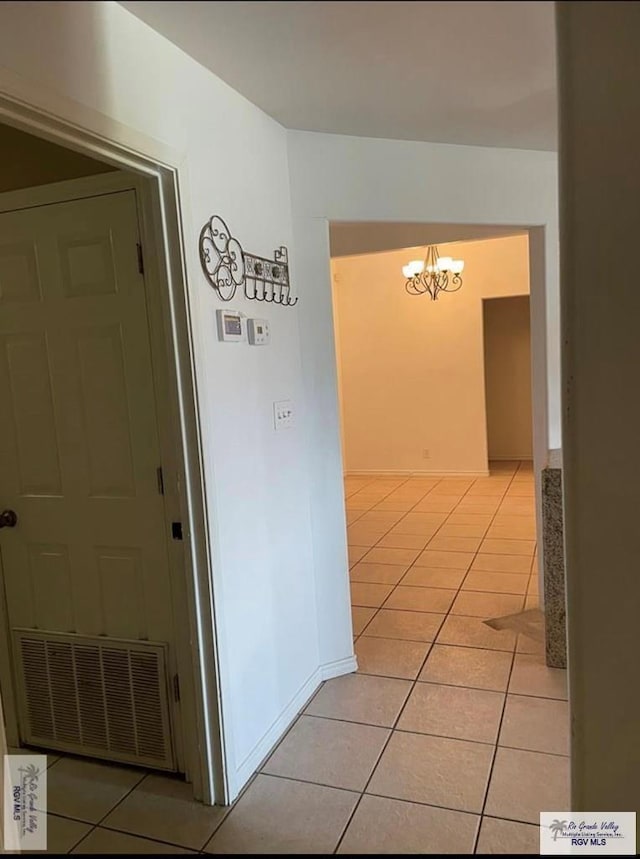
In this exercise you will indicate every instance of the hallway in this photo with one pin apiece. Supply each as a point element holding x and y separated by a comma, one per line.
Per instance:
<point>450,738</point>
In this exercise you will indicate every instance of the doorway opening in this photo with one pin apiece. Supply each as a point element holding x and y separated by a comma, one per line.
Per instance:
<point>105,563</point>
<point>441,521</point>
<point>507,368</point>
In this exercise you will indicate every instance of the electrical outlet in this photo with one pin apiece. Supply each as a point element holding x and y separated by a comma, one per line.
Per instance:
<point>426,453</point>
<point>283,414</point>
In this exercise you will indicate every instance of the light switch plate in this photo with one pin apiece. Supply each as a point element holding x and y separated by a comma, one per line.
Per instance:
<point>283,414</point>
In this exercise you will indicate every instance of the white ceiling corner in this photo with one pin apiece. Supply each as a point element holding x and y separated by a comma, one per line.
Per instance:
<point>475,73</point>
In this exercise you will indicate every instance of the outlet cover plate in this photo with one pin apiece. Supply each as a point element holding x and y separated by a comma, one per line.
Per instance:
<point>283,414</point>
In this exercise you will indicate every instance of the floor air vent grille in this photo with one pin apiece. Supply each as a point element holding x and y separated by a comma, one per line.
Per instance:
<point>95,696</point>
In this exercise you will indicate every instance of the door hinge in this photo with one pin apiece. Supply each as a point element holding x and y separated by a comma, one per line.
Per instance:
<point>160,479</point>
<point>176,687</point>
<point>140,258</point>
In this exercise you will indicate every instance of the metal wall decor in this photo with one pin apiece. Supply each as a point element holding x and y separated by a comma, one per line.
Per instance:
<point>226,267</point>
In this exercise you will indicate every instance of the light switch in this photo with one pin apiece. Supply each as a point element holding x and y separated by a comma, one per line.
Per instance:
<point>283,414</point>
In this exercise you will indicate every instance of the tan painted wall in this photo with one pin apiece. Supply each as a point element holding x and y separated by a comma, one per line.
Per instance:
<point>600,220</point>
<point>27,161</point>
<point>411,369</point>
<point>507,367</point>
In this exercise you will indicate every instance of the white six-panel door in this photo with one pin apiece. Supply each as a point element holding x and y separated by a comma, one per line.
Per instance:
<point>79,448</point>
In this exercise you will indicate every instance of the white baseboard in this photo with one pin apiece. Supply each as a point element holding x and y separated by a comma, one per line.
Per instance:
<point>413,473</point>
<point>265,745</point>
<point>341,666</point>
<point>527,458</point>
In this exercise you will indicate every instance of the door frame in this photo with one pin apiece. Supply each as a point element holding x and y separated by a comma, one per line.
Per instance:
<point>159,186</point>
<point>537,269</point>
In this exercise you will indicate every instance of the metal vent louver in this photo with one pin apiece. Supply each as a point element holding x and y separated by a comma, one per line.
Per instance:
<point>102,697</point>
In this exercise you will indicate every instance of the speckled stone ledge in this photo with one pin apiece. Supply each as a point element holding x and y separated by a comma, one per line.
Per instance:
<point>554,583</point>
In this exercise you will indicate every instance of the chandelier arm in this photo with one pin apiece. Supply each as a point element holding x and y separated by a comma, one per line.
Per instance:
<point>413,286</point>
<point>455,285</point>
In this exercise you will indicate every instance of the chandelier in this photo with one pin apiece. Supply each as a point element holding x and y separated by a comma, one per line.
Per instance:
<point>434,274</point>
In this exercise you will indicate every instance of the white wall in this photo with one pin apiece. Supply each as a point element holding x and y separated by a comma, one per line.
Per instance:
<point>338,178</point>
<point>97,66</point>
<point>600,189</point>
<point>507,370</point>
<point>412,369</point>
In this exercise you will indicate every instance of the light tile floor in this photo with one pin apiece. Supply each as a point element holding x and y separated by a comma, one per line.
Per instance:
<point>450,738</point>
<point>480,743</point>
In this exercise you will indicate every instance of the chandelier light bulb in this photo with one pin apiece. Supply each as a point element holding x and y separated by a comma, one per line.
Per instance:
<point>444,263</point>
<point>411,269</point>
<point>457,266</point>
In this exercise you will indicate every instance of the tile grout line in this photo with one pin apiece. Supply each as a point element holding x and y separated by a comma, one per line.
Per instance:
<point>448,613</point>
<point>413,563</point>
<point>504,707</point>
<point>397,799</point>
<point>392,728</point>
<point>397,522</point>
<point>495,753</point>
<point>428,653</point>
<point>532,574</point>
<point>104,816</point>
<point>415,733</point>
<point>153,840</point>
<point>389,529</point>
<point>466,573</point>
<point>368,482</point>
<point>101,823</point>
<point>82,837</point>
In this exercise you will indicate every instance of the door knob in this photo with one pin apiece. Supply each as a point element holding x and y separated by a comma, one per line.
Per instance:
<point>8,519</point>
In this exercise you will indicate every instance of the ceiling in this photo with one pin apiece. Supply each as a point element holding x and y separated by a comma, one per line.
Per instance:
<point>365,237</point>
<point>477,72</point>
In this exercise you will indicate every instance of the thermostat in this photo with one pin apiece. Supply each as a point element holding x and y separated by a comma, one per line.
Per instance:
<point>258,331</point>
<point>230,327</point>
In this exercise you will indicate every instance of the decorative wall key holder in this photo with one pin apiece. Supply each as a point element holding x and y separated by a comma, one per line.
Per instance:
<point>226,266</point>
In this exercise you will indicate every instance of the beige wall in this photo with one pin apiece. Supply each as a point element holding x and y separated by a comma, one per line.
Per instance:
<point>411,369</point>
<point>507,363</point>
<point>27,161</point>
<point>600,215</point>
